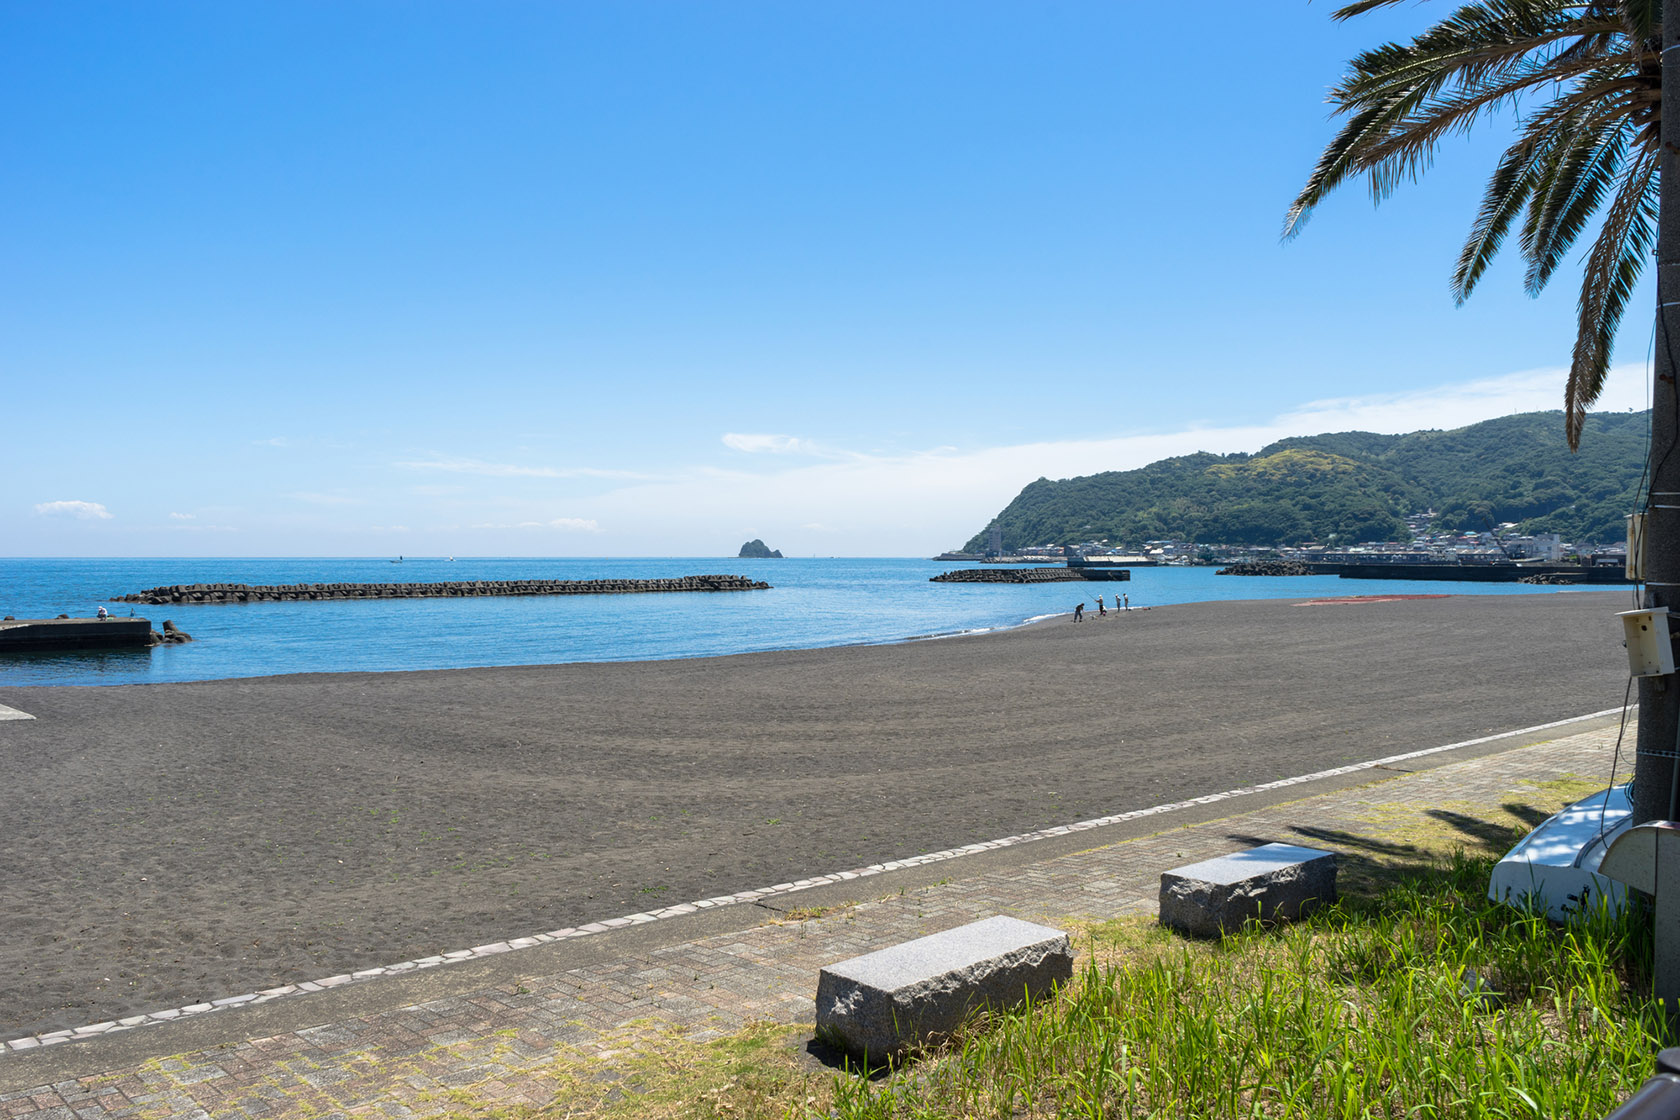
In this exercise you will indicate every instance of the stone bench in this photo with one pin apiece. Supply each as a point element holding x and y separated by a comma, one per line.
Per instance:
<point>879,1004</point>
<point>1272,882</point>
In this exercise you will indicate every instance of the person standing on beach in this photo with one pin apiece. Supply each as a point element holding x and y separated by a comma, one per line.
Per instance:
<point>1128,600</point>
<point>1102,611</point>
<point>1079,613</point>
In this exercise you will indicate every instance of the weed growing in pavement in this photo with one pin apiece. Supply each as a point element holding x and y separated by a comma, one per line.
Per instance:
<point>761,1072</point>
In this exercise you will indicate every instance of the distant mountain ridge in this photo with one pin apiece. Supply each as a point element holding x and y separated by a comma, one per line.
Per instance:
<point>1355,486</point>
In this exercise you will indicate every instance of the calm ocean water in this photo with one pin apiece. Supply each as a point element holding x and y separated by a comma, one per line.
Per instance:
<point>813,603</point>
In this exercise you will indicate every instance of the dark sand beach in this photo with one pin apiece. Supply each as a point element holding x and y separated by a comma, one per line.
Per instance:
<point>167,844</point>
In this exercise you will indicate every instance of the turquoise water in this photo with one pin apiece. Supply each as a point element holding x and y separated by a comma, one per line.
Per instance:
<point>812,603</point>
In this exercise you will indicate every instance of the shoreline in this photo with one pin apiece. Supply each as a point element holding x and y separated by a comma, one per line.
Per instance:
<point>816,605</point>
<point>976,632</point>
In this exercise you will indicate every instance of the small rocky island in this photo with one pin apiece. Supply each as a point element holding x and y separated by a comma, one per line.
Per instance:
<point>756,549</point>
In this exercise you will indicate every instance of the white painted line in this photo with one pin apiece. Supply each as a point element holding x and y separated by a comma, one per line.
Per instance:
<point>739,897</point>
<point>13,713</point>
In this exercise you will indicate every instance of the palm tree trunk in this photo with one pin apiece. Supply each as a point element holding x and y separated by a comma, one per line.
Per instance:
<point>1654,771</point>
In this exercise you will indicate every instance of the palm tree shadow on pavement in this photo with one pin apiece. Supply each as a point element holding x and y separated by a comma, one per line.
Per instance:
<point>1370,863</point>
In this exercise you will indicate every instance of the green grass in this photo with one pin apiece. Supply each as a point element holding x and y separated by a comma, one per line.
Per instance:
<point>1425,1001</point>
<point>1413,997</point>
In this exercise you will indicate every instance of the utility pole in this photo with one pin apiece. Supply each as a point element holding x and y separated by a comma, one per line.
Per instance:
<point>1654,770</point>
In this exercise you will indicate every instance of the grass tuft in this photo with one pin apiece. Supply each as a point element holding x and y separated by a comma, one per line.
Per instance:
<point>1427,1000</point>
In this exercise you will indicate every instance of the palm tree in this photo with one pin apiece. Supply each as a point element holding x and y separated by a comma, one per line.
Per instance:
<point>1585,83</point>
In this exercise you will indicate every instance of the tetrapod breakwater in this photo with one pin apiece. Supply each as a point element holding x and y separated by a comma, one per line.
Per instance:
<point>1031,575</point>
<point>300,592</point>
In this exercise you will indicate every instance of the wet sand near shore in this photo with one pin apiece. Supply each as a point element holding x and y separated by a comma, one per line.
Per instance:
<point>167,844</point>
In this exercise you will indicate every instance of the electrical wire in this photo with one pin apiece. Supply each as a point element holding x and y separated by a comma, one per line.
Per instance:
<point>1615,758</point>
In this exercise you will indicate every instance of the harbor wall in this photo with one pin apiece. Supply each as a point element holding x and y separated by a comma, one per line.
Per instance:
<point>39,634</point>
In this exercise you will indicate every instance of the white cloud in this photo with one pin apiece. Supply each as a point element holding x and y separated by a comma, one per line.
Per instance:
<point>921,502</point>
<point>315,499</point>
<point>457,465</point>
<point>198,528</point>
<point>479,466</point>
<point>84,511</point>
<point>183,517</point>
<point>773,444</point>
<point>1454,406</point>
<point>568,524</point>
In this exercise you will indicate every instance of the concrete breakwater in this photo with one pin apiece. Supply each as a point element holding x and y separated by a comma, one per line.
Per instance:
<point>1018,575</point>
<point>1268,568</point>
<point>297,592</point>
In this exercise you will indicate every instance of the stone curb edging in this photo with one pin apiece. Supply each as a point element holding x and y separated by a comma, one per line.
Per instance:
<point>496,948</point>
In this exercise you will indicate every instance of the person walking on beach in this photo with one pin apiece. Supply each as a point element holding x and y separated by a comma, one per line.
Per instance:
<point>1079,613</point>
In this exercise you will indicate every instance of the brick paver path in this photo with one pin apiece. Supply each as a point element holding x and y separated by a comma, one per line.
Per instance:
<point>499,1042</point>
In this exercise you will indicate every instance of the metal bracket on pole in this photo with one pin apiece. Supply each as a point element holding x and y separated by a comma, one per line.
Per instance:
<point>1647,858</point>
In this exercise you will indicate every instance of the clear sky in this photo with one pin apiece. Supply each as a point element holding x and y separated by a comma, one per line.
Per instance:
<point>636,278</point>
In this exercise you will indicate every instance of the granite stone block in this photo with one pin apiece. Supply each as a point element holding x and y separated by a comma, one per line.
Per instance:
<point>1274,882</point>
<point>880,1003</point>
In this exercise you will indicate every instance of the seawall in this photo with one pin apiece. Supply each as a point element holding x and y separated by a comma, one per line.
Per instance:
<point>41,634</point>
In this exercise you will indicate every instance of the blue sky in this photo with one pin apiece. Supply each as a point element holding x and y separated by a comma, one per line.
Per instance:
<point>655,278</point>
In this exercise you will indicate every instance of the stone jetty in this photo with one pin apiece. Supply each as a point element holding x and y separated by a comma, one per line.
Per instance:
<point>298,592</point>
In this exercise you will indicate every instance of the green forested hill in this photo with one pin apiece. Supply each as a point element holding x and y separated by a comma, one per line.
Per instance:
<point>1355,486</point>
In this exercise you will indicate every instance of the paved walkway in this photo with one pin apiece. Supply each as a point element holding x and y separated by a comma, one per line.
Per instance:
<point>498,1042</point>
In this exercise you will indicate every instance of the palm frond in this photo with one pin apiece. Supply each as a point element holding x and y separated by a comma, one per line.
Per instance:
<point>1512,184</point>
<point>1570,192</point>
<point>1589,144</point>
<point>1486,56</point>
<point>1360,8</point>
<point>1612,270</point>
<point>1642,18</point>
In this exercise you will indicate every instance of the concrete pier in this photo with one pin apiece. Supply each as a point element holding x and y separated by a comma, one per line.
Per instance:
<point>31,635</point>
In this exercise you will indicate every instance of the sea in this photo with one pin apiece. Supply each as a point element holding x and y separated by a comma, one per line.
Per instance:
<point>811,603</point>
